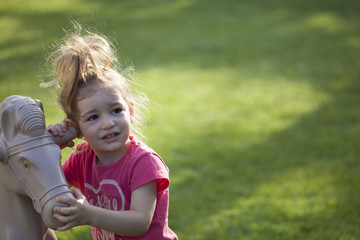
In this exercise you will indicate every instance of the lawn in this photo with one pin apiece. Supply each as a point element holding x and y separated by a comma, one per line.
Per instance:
<point>255,105</point>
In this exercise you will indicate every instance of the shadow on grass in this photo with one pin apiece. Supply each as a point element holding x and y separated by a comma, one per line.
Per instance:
<point>301,183</point>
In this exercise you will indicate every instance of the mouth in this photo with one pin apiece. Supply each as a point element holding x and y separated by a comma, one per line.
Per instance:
<point>110,136</point>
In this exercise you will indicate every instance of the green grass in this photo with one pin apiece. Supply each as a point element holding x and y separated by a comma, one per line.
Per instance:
<point>255,105</point>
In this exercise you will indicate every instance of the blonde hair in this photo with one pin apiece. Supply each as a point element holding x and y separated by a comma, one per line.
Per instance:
<point>89,62</point>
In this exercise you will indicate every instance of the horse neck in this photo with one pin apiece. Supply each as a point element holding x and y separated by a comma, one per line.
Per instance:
<point>18,219</point>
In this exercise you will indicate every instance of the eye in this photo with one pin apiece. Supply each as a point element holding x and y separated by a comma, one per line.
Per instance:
<point>116,110</point>
<point>93,117</point>
<point>27,164</point>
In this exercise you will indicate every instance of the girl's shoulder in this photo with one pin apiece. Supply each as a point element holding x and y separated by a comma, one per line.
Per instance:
<point>139,149</point>
<point>142,154</point>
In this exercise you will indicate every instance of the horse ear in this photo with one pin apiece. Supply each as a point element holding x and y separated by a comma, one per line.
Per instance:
<point>3,152</point>
<point>8,122</point>
<point>39,103</point>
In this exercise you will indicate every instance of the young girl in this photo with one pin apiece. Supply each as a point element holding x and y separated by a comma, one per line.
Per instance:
<point>123,183</point>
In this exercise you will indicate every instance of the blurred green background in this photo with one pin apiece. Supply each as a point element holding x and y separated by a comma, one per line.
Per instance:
<point>255,105</point>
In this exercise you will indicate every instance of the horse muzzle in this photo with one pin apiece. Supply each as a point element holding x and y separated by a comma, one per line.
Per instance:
<point>47,202</point>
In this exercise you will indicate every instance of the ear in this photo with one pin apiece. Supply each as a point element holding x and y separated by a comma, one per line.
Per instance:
<point>3,152</point>
<point>7,126</point>
<point>39,104</point>
<point>8,122</point>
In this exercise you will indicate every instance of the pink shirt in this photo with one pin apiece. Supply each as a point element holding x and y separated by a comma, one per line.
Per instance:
<point>110,186</point>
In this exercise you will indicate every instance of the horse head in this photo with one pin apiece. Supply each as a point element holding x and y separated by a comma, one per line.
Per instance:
<point>32,155</point>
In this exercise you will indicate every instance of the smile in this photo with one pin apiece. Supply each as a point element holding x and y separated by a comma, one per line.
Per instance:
<point>111,135</point>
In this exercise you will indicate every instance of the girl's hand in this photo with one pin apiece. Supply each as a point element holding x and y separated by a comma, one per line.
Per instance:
<point>75,214</point>
<point>133,222</point>
<point>59,129</point>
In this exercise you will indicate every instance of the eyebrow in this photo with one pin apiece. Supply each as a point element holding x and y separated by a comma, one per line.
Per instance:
<point>88,113</point>
<point>117,104</point>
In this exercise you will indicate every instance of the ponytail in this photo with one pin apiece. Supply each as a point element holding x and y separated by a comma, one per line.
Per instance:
<point>78,62</point>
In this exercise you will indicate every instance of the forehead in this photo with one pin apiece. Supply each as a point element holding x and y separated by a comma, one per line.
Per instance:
<point>97,97</point>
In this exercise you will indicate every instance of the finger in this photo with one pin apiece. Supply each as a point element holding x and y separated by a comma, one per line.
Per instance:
<point>61,130</point>
<point>61,218</point>
<point>70,122</point>
<point>64,211</point>
<point>67,200</point>
<point>77,194</point>
<point>63,125</point>
<point>66,219</point>
<point>66,226</point>
<point>58,130</point>
<point>52,130</point>
<point>49,128</point>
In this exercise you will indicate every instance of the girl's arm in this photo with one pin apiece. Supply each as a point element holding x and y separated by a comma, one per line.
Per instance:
<point>134,222</point>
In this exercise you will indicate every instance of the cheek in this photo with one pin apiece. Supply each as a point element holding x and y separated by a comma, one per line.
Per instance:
<point>81,128</point>
<point>128,121</point>
<point>86,130</point>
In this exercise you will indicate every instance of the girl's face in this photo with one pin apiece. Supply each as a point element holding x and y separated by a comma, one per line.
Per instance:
<point>105,122</point>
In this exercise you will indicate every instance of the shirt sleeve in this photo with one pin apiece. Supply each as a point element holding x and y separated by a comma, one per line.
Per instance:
<point>68,168</point>
<point>148,168</point>
<point>73,168</point>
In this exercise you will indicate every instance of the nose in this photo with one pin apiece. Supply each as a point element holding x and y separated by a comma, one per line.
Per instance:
<point>107,122</point>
